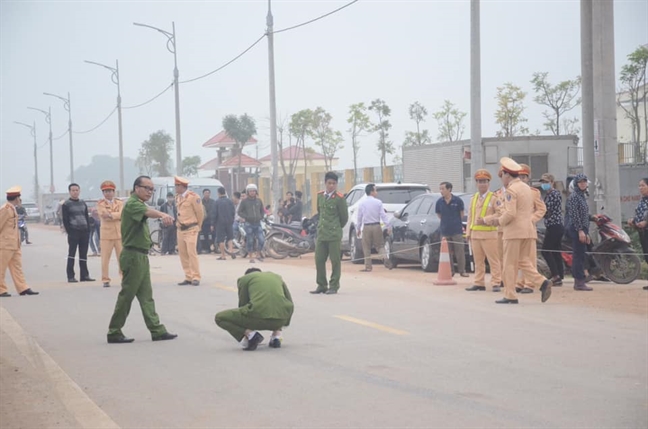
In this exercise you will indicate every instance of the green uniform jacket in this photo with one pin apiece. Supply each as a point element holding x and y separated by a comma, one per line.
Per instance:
<point>333,215</point>
<point>265,296</point>
<point>134,225</point>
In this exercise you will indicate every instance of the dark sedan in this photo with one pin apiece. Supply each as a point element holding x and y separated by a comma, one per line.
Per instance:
<point>415,237</point>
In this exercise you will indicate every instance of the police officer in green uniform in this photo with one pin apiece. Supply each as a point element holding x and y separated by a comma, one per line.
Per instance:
<point>333,215</point>
<point>134,264</point>
<point>264,304</point>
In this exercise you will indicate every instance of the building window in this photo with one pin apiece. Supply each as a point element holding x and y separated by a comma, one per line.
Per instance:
<point>539,164</point>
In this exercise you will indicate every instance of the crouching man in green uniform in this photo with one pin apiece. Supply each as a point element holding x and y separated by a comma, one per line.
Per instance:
<point>333,215</point>
<point>264,304</point>
<point>134,264</point>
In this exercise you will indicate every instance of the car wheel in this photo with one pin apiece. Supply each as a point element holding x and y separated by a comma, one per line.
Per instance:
<point>357,257</point>
<point>428,264</point>
<point>388,252</point>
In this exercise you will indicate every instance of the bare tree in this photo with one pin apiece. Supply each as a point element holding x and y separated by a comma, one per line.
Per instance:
<point>359,123</point>
<point>633,92</point>
<point>385,146</point>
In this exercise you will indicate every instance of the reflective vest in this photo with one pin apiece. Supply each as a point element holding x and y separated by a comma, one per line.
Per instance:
<point>474,227</point>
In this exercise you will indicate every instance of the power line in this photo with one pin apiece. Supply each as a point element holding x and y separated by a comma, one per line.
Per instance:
<point>149,101</point>
<point>100,124</point>
<point>61,136</point>
<point>227,63</point>
<point>315,19</point>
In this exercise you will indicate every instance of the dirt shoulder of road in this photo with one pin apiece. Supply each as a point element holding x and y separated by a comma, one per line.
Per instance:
<point>28,400</point>
<point>606,296</point>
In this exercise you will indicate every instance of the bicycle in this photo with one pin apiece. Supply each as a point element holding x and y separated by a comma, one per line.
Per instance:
<point>156,239</point>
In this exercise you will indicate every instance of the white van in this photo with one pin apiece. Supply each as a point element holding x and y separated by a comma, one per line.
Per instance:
<point>164,185</point>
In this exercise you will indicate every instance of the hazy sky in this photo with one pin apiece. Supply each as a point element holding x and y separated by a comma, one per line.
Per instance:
<point>400,51</point>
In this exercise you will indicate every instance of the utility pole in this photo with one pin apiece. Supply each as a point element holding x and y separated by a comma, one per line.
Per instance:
<point>476,153</point>
<point>587,90</point>
<point>67,106</point>
<point>32,129</point>
<point>115,79</point>
<point>606,187</point>
<point>171,47</point>
<point>48,119</point>
<point>276,193</point>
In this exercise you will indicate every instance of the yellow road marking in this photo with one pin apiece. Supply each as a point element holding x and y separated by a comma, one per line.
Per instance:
<point>229,288</point>
<point>372,325</point>
<point>84,410</point>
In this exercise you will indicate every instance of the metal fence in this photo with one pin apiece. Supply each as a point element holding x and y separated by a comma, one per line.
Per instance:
<point>633,153</point>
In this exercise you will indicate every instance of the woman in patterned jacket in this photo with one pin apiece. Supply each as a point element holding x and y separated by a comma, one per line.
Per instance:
<point>552,244</point>
<point>640,221</point>
<point>577,219</point>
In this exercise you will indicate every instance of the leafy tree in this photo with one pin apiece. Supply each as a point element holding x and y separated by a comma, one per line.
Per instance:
<point>417,113</point>
<point>359,123</point>
<point>559,98</point>
<point>190,165</point>
<point>451,122</point>
<point>241,129</point>
<point>385,146</point>
<point>329,140</point>
<point>633,92</point>
<point>154,157</point>
<point>510,107</point>
<point>570,127</point>
<point>300,127</point>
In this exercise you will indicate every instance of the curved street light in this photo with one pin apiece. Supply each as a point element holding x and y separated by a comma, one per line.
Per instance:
<point>32,130</point>
<point>48,119</point>
<point>67,106</point>
<point>171,47</point>
<point>115,79</point>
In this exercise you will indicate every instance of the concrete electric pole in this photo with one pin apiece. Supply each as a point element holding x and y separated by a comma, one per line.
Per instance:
<point>476,153</point>
<point>276,192</point>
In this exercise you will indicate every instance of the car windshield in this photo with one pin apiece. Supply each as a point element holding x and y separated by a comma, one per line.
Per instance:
<point>197,189</point>
<point>399,195</point>
<point>29,205</point>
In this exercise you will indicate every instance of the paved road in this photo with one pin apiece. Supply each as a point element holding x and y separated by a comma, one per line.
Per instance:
<point>388,351</point>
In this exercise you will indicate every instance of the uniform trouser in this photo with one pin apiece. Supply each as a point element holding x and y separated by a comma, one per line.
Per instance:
<point>78,239</point>
<point>235,322</point>
<point>457,247</point>
<point>136,282</point>
<point>487,249</point>
<point>522,280</point>
<point>551,250</point>
<point>372,237</point>
<point>323,251</point>
<point>188,254</point>
<point>517,255</point>
<point>169,239</point>
<point>12,259</point>
<point>107,247</point>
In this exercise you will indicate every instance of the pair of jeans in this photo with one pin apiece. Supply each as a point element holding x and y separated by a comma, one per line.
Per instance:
<point>578,256</point>
<point>551,250</point>
<point>252,231</point>
<point>94,239</point>
<point>78,239</point>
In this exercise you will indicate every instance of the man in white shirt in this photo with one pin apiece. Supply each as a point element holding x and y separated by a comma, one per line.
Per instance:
<point>370,213</point>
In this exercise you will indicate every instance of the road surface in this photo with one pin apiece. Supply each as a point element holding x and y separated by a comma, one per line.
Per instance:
<point>390,350</point>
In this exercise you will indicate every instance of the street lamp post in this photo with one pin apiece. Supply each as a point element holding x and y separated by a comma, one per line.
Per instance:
<point>171,47</point>
<point>115,79</point>
<point>67,106</point>
<point>32,130</point>
<point>48,119</point>
<point>276,193</point>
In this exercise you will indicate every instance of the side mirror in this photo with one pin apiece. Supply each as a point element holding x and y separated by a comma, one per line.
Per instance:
<point>160,201</point>
<point>397,215</point>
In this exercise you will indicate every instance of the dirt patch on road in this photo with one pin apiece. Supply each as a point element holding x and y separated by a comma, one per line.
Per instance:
<point>607,296</point>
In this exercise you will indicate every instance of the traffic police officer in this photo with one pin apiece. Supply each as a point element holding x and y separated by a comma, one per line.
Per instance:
<point>483,238</point>
<point>539,210</point>
<point>333,215</point>
<point>519,234</point>
<point>109,210</point>
<point>10,253</point>
<point>190,218</point>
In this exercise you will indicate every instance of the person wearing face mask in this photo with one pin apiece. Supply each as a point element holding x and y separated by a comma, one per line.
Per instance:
<point>552,244</point>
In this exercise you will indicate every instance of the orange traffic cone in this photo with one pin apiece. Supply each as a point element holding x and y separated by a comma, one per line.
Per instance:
<point>444,275</point>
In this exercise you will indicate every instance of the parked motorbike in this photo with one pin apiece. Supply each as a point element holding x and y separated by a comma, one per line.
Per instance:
<point>23,228</point>
<point>613,255</point>
<point>292,240</point>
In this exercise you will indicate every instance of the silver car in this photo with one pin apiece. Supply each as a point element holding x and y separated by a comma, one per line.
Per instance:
<point>394,196</point>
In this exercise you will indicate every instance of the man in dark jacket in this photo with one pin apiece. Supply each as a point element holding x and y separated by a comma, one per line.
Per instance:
<point>169,233</point>
<point>224,212</point>
<point>251,212</point>
<point>264,304</point>
<point>76,222</point>
<point>294,213</point>
<point>207,230</point>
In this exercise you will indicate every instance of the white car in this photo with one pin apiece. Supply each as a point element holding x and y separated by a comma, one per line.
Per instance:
<point>394,197</point>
